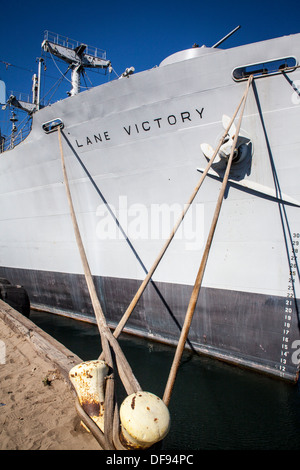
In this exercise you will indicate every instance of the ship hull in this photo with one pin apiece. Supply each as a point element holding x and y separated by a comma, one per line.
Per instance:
<point>225,325</point>
<point>133,155</point>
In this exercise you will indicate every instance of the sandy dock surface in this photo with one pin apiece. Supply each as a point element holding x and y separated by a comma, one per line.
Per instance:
<point>37,409</point>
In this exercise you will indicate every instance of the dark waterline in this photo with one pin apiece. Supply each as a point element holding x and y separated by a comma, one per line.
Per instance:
<point>214,406</point>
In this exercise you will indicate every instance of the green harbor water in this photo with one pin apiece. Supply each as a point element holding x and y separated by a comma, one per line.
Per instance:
<point>214,406</point>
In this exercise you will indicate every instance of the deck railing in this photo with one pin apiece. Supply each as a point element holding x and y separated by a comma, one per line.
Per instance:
<point>72,44</point>
<point>9,142</point>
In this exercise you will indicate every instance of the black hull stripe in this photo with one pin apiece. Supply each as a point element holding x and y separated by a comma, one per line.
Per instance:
<point>237,327</point>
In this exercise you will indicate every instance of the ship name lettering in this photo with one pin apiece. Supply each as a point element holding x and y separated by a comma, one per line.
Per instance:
<point>144,126</point>
<point>200,112</point>
<point>94,139</point>
<point>171,120</point>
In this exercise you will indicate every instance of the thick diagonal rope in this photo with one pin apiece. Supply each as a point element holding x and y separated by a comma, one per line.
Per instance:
<point>199,278</point>
<point>126,375</point>
<point>109,343</point>
<point>151,271</point>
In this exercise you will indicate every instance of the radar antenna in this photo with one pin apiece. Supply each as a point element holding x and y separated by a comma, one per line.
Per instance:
<point>78,55</point>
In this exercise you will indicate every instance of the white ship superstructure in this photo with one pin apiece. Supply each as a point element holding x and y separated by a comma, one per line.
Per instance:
<point>134,153</point>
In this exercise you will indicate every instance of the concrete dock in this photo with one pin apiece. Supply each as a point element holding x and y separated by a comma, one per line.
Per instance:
<point>37,409</point>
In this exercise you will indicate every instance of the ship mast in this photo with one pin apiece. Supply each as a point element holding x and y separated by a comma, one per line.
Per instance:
<point>13,119</point>
<point>79,56</point>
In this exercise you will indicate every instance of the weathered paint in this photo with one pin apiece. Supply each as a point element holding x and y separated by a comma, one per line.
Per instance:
<point>88,379</point>
<point>238,327</point>
<point>145,420</point>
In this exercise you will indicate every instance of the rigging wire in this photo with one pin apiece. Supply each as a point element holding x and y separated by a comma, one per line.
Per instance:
<point>115,72</point>
<point>63,75</point>
<point>84,75</point>
<point>61,71</point>
<point>57,83</point>
<point>8,64</point>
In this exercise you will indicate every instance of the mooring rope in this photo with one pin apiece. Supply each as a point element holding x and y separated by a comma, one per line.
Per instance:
<point>151,271</point>
<point>111,351</point>
<point>130,382</point>
<point>109,342</point>
<point>198,281</point>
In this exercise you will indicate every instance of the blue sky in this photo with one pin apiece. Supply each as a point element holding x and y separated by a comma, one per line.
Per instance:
<point>134,33</point>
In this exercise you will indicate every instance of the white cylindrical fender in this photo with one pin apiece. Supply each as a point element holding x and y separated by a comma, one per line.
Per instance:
<point>88,379</point>
<point>145,420</point>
